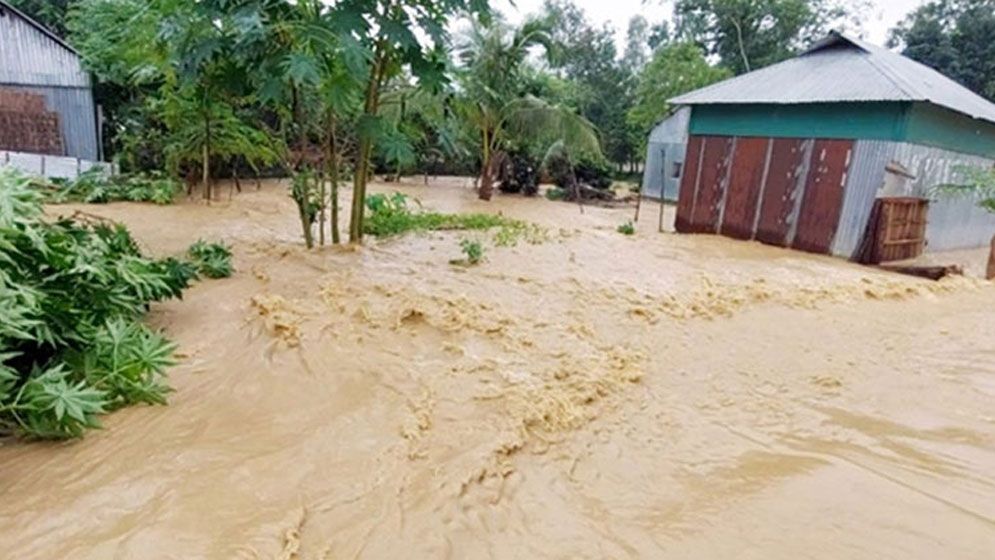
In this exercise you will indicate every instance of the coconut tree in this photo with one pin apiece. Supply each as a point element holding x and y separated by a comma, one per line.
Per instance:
<point>494,101</point>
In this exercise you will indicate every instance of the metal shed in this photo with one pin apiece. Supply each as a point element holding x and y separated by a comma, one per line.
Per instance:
<point>797,154</point>
<point>37,65</point>
<point>665,156</point>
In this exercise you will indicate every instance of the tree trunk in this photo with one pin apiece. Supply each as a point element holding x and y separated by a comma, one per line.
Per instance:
<point>486,190</point>
<point>365,150</point>
<point>322,208</point>
<point>333,175</point>
<point>207,159</point>
<point>990,273</point>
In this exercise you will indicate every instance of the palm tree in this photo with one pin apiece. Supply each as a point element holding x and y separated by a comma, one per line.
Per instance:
<point>494,59</point>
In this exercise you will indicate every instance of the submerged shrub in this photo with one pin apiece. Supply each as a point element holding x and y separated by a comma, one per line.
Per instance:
<point>627,228</point>
<point>71,297</point>
<point>473,250</point>
<point>392,215</point>
<point>95,186</point>
<point>212,260</point>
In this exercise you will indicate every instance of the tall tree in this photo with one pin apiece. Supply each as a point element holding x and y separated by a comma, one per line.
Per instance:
<point>382,38</point>
<point>637,44</point>
<point>587,55</point>
<point>675,69</point>
<point>955,38</point>
<point>750,34</point>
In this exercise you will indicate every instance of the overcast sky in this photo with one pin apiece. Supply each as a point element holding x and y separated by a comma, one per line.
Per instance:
<point>884,13</point>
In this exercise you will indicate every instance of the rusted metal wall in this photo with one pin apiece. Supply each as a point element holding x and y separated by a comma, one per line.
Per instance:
<point>781,191</point>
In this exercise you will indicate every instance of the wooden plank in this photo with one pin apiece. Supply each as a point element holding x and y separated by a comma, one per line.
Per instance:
<point>823,200</point>
<point>689,184</point>
<point>777,203</point>
<point>744,187</point>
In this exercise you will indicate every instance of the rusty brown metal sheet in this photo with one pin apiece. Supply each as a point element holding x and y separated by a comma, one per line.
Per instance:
<point>689,184</point>
<point>787,162</point>
<point>715,163</point>
<point>823,199</point>
<point>744,187</point>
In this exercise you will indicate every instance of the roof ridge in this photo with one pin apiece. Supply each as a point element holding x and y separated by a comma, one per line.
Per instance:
<point>899,82</point>
<point>32,22</point>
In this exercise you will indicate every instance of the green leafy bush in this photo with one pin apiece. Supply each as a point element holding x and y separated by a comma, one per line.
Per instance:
<point>627,228</point>
<point>392,215</point>
<point>71,296</point>
<point>596,173</point>
<point>97,187</point>
<point>212,260</point>
<point>473,250</point>
<point>556,193</point>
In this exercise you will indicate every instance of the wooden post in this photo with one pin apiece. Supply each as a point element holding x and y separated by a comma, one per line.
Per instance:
<point>663,208</point>
<point>990,273</point>
<point>639,203</point>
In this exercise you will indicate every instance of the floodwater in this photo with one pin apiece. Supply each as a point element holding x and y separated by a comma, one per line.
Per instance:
<point>590,396</point>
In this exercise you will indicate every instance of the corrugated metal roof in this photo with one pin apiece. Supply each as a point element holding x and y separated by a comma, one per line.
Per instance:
<point>839,69</point>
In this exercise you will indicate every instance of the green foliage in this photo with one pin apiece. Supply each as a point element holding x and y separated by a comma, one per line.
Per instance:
<point>627,228</point>
<point>473,250</point>
<point>391,215</point>
<point>954,37</point>
<point>605,84</point>
<point>71,295</point>
<point>50,13</point>
<point>750,34</point>
<point>212,260</point>
<point>976,182</point>
<point>675,69</point>
<point>556,193</point>
<point>95,186</point>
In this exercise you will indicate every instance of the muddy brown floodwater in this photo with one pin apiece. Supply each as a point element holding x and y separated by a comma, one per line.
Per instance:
<point>592,396</point>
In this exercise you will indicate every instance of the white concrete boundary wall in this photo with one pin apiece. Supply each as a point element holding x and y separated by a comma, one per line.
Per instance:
<point>51,167</point>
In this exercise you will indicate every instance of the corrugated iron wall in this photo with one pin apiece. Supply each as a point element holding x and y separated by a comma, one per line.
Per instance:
<point>867,170</point>
<point>76,115</point>
<point>31,61</point>
<point>954,222</point>
<point>781,191</point>
<point>30,57</point>
<point>665,153</point>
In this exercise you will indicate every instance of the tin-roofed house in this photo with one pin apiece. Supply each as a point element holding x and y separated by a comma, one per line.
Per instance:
<point>46,98</point>
<point>837,151</point>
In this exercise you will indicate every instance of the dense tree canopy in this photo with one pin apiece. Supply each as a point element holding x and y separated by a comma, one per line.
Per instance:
<point>750,34</point>
<point>675,69</point>
<point>954,37</point>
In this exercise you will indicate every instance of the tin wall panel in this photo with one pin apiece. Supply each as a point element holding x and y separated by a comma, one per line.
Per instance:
<point>689,184</point>
<point>715,164</point>
<point>745,182</point>
<point>954,222</point>
<point>822,202</point>
<point>865,178</point>
<point>778,202</point>
<point>29,56</point>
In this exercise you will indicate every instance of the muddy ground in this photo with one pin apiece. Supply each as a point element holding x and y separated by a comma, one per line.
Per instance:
<point>590,396</point>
